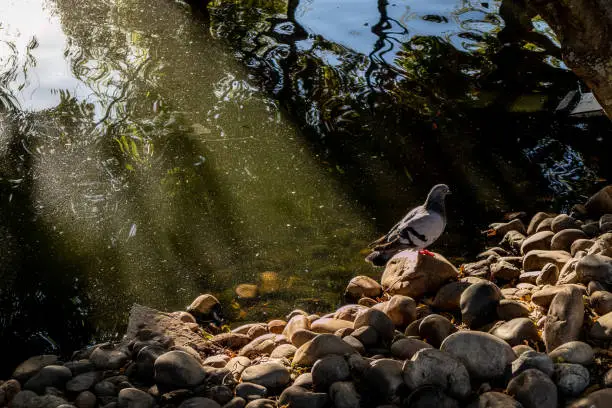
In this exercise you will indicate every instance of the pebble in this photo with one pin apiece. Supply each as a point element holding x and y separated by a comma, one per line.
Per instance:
<point>134,398</point>
<point>448,296</point>
<point>517,331</point>
<point>601,302</point>
<point>329,370</point>
<point>511,309</point>
<point>235,402</point>
<point>435,328</point>
<point>549,275</point>
<point>581,245</point>
<point>366,335</point>
<point>199,402</point>
<point>48,376</point>
<point>532,359</point>
<point>83,382</point>
<point>544,296</point>
<point>479,304</point>
<point>404,349</point>
<point>494,399</point>
<point>296,323</point>
<point>564,239</point>
<point>536,259</point>
<point>178,369</point>
<point>384,379</point>
<point>258,330</point>
<point>563,222</point>
<point>434,367</point>
<point>271,375</point>
<point>319,347</point>
<point>33,365</point>
<point>298,397</point>
<point>533,389</point>
<point>284,351</point>
<point>504,270</point>
<point>329,325</point>
<point>354,343</point>
<point>251,391</point>
<point>602,328</point>
<point>362,286</point>
<point>218,361</point>
<point>564,319</point>
<point>106,357</point>
<point>540,241</point>
<point>595,267</point>
<point>378,320</point>
<point>349,312</point>
<point>344,395</point>
<point>485,356</point>
<point>536,220</point>
<point>301,336</point>
<point>204,305</point>
<point>429,397</point>
<point>85,399</point>
<point>401,310</point>
<point>277,326</point>
<point>597,399</point>
<point>261,403</point>
<point>571,379</point>
<point>545,225</point>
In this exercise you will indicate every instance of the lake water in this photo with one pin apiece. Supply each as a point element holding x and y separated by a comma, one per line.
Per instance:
<point>150,153</point>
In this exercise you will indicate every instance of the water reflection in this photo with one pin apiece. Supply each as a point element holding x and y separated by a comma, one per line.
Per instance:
<point>165,174</point>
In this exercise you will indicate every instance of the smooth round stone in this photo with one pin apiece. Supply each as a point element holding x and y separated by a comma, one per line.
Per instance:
<point>544,225</point>
<point>261,403</point>
<point>601,302</point>
<point>329,325</point>
<point>295,323</point>
<point>511,309</point>
<point>540,240</point>
<point>564,320</point>
<point>302,336</point>
<point>581,245</point>
<point>178,369</point>
<point>247,291</point>
<point>105,389</point>
<point>595,267</point>
<point>521,348</point>
<point>32,365</point>
<point>575,352</point>
<point>434,367</point>
<point>134,398</point>
<point>106,357</point>
<point>258,330</point>
<point>504,271</point>
<point>250,391</point>
<point>82,382</point>
<point>494,399</point>
<point>304,381</point>
<point>217,361</point>
<point>562,222</point>
<point>378,320</point>
<point>602,329</point>
<point>536,220</point>
<point>319,347</point>
<point>517,331</point>
<point>277,326</point>
<point>535,260</point>
<point>429,397</point>
<point>484,355</point>
<point>236,402</point>
<point>271,375</point>
<point>448,296</point>
<point>435,328</point>
<point>199,402</point>
<point>298,397</point>
<point>384,378</point>
<point>367,335</point>
<point>563,240</point>
<point>401,310</point>
<point>85,399</point>
<point>204,305</point>
<point>479,304</point>
<point>549,275</point>
<point>533,389</point>
<point>362,286</point>
<point>284,351</point>
<point>571,379</point>
<point>404,349</point>
<point>532,359</point>
<point>348,312</point>
<point>48,376</point>
<point>344,395</point>
<point>329,370</point>
<point>597,399</point>
<point>354,343</point>
<point>220,393</point>
<point>237,365</point>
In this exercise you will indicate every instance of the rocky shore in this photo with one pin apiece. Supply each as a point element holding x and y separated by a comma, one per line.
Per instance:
<point>527,324</point>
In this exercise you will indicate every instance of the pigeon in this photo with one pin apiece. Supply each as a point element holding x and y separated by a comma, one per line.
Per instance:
<point>417,230</point>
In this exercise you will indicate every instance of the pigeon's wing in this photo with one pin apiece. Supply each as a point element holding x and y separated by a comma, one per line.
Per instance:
<point>393,235</point>
<point>422,229</point>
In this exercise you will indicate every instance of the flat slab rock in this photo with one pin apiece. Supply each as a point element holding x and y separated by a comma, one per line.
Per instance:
<point>142,317</point>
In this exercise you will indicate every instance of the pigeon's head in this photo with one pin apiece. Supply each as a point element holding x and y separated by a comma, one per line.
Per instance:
<point>435,198</point>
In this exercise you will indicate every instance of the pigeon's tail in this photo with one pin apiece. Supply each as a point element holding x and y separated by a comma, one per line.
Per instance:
<point>379,258</point>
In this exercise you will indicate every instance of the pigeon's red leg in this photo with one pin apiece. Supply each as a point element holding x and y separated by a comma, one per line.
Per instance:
<point>426,252</point>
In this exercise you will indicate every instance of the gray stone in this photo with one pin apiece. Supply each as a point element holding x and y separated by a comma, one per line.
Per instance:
<point>86,399</point>
<point>366,335</point>
<point>545,296</point>
<point>329,370</point>
<point>533,389</point>
<point>236,402</point>
<point>601,302</point>
<point>319,347</point>
<point>384,379</point>
<point>429,397</point>
<point>448,296</point>
<point>26,398</point>
<point>264,344</point>
<point>261,403</point>
<point>354,343</point>
<point>404,349</point>
<point>549,275</point>
<point>48,376</point>
<point>521,348</point>
<point>284,351</point>
<point>80,366</point>
<point>485,356</point>
<point>563,222</point>
<point>302,336</point>
<point>540,241</point>
<point>581,245</point>
<point>479,304</point>
<point>513,240</point>
<point>401,310</point>
<point>536,220</point>
<point>532,359</point>
<point>204,305</point>
<point>494,399</point>
<point>258,330</point>
<point>564,320</point>
<point>597,399</point>
<point>83,382</point>
<point>251,391</point>
<point>361,286</point>
<point>545,225</point>
<point>563,240</point>
<point>271,375</point>
<point>297,322</point>
<point>329,325</point>
<point>504,270</point>
<point>105,389</point>
<point>344,395</point>
<point>511,309</point>
<point>304,380</point>
<point>298,397</point>
<point>378,320</point>
<point>134,398</point>
<point>106,357</point>
<point>536,259</point>
<point>595,267</point>
<point>178,369</point>
<point>33,365</point>
<point>571,379</point>
<point>435,328</point>
<point>348,312</point>
<point>217,361</point>
<point>434,367</point>
<point>602,328</point>
<point>517,331</point>
<point>199,402</point>
<point>233,341</point>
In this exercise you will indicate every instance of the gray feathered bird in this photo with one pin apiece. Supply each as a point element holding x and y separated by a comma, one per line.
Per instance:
<point>417,230</point>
